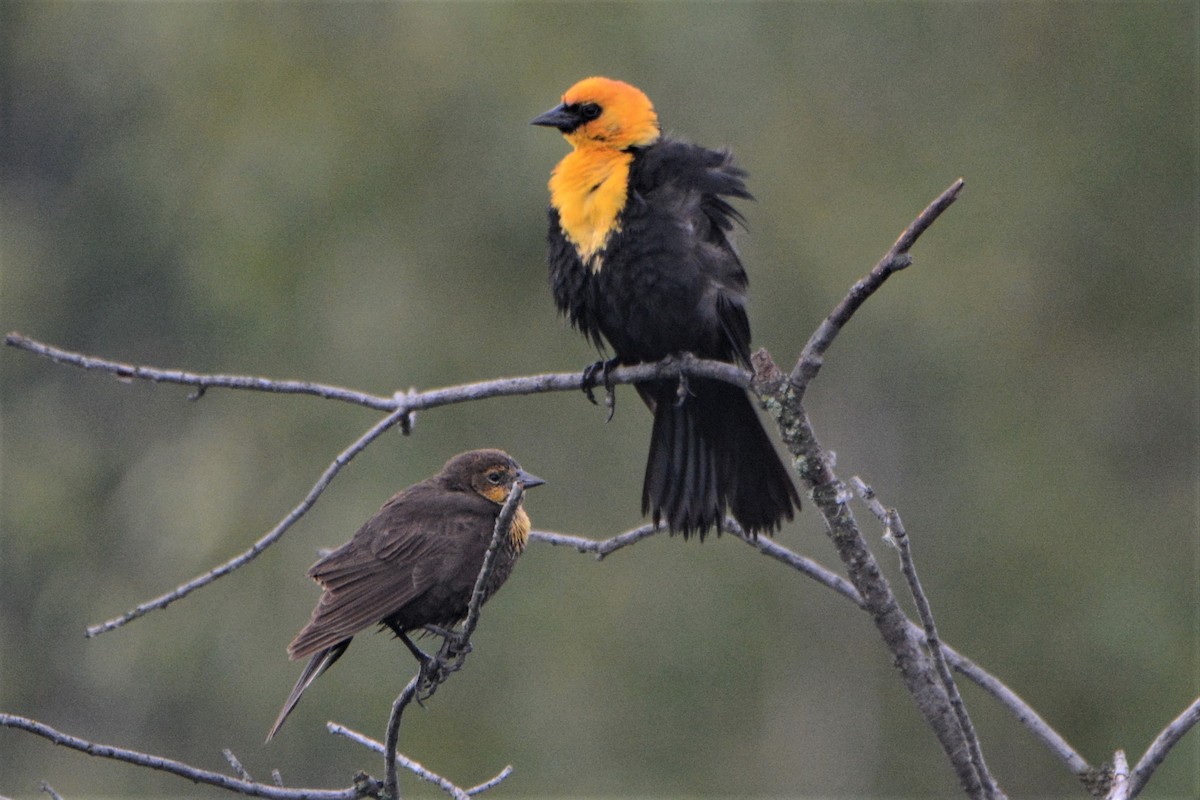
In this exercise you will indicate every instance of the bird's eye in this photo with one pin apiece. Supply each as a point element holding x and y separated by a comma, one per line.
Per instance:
<point>495,477</point>
<point>589,111</point>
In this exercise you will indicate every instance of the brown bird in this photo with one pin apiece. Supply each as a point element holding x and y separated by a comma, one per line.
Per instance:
<point>641,257</point>
<point>414,564</point>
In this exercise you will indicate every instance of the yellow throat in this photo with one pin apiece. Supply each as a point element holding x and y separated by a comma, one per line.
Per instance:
<point>589,188</point>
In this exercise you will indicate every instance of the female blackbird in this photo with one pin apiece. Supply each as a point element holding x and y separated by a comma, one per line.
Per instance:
<point>414,563</point>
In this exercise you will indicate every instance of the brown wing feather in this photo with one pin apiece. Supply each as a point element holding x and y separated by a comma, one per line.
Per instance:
<point>416,541</point>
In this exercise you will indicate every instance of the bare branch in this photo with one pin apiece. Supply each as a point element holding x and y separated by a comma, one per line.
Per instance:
<point>806,566</point>
<point>895,528</point>
<point>412,401</point>
<point>363,786</point>
<point>128,372</point>
<point>454,648</point>
<point>894,260</point>
<point>772,549</point>
<point>1162,744</point>
<point>499,531</point>
<point>782,399</point>
<point>402,406</point>
<point>499,778</point>
<point>417,768</point>
<point>238,769</point>
<point>602,547</point>
<point>391,782</point>
<point>1118,789</point>
<point>266,541</point>
<point>1018,707</point>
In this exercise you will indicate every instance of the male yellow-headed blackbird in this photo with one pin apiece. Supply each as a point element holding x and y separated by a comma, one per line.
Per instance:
<point>640,256</point>
<point>414,563</point>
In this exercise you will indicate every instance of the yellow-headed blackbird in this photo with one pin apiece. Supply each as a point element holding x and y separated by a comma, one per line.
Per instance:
<point>640,255</point>
<point>414,563</point>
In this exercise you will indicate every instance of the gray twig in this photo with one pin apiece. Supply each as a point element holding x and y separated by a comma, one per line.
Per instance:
<point>417,768</point>
<point>1162,744</point>
<point>600,547</point>
<point>772,549</point>
<point>1118,788</point>
<point>237,765</point>
<point>455,647</point>
<point>890,518</point>
<point>894,260</point>
<point>412,401</point>
<point>364,787</point>
<point>266,541</point>
<point>1032,721</point>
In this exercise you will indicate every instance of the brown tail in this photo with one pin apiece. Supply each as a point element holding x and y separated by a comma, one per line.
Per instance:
<point>710,453</point>
<point>320,662</point>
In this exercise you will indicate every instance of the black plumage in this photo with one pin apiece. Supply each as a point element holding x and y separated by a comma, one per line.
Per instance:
<point>654,275</point>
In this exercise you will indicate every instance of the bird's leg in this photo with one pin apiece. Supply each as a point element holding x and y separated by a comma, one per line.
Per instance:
<point>420,655</point>
<point>600,370</point>
<point>682,391</point>
<point>435,669</point>
<point>431,670</point>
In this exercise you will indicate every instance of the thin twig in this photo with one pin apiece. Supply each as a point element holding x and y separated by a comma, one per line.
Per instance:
<point>1162,744</point>
<point>972,671</point>
<point>499,532</point>
<point>1024,713</point>
<point>1118,789</point>
<point>416,767</point>
<point>480,788</point>
<point>363,787</point>
<point>600,547</point>
<point>890,518</point>
<point>413,401</point>
<point>391,782</point>
<point>266,541</point>
<point>895,259</point>
<point>781,398</point>
<point>456,645</point>
<point>237,765</point>
<point>806,566</point>
<point>44,786</point>
<point>765,545</point>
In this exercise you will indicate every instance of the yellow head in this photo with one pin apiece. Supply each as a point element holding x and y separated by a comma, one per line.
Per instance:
<point>604,113</point>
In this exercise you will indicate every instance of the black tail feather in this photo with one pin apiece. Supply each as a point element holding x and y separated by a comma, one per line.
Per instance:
<point>711,453</point>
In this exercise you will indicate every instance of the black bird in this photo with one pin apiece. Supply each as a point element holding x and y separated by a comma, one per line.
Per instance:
<point>640,256</point>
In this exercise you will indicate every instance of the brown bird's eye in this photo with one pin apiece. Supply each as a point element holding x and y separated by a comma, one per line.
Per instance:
<point>495,478</point>
<point>589,111</point>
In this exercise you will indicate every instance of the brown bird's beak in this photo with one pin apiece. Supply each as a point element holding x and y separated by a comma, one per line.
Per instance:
<point>561,116</point>
<point>528,480</point>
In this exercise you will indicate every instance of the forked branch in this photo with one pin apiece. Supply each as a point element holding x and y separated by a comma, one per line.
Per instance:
<point>454,649</point>
<point>782,395</point>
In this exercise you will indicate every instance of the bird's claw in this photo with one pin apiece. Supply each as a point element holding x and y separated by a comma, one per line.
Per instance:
<point>682,391</point>
<point>597,374</point>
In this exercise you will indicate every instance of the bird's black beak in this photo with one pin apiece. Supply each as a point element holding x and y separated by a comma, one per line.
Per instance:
<point>562,116</point>
<point>529,480</point>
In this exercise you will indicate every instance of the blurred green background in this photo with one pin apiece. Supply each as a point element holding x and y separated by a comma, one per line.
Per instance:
<point>352,194</point>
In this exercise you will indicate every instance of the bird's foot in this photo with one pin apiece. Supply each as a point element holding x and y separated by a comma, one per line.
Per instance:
<point>427,671</point>
<point>598,374</point>
<point>437,669</point>
<point>683,391</point>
